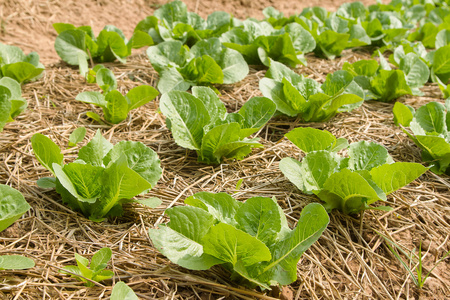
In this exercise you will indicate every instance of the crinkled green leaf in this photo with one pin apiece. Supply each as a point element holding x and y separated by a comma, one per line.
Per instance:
<point>187,116</point>
<point>169,53</point>
<point>390,85</point>
<point>282,268</point>
<point>221,205</point>
<point>180,239</point>
<point>232,245</point>
<point>116,109</point>
<point>311,174</point>
<point>256,112</point>
<point>367,155</point>
<point>347,191</point>
<point>202,69</point>
<point>12,206</point>
<point>94,152</point>
<point>391,177</point>
<point>259,217</point>
<point>140,158</point>
<point>69,44</point>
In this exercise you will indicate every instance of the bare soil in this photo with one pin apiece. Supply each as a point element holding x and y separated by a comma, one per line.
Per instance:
<point>350,261</point>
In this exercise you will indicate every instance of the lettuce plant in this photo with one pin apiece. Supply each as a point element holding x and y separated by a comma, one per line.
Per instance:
<point>172,21</point>
<point>349,184</point>
<point>440,69</point>
<point>76,45</point>
<point>251,239</point>
<point>259,41</point>
<point>11,101</point>
<point>12,206</point>
<point>381,82</point>
<point>295,95</point>
<point>95,270</point>
<point>430,131</point>
<point>15,64</point>
<point>115,105</point>
<point>207,62</point>
<point>199,121</point>
<point>102,177</point>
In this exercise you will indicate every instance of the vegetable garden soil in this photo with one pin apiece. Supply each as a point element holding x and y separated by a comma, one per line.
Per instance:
<point>349,261</point>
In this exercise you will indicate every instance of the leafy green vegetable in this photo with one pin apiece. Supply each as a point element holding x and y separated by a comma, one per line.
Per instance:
<point>12,206</point>
<point>103,177</point>
<point>115,105</point>
<point>121,291</point>
<point>18,66</point>
<point>259,41</point>
<point>95,271</point>
<point>207,62</point>
<point>251,239</point>
<point>295,95</point>
<point>200,122</point>
<point>380,82</point>
<point>11,101</point>
<point>15,262</point>
<point>430,132</point>
<point>348,184</point>
<point>172,21</point>
<point>440,68</point>
<point>75,45</point>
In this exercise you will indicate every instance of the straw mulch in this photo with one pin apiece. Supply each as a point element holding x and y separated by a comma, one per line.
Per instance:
<point>350,260</point>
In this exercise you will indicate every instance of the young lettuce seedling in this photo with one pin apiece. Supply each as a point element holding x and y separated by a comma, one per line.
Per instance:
<point>76,45</point>
<point>115,105</point>
<point>207,62</point>
<point>251,239</point>
<point>95,271</point>
<point>102,178</point>
<point>381,82</point>
<point>295,95</point>
<point>430,131</point>
<point>349,184</point>
<point>199,121</point>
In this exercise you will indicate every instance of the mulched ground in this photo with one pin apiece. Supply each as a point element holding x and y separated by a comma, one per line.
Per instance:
<point>350,260</point>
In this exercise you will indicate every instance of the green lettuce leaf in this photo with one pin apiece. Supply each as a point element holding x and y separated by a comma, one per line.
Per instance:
<point>12,206</point>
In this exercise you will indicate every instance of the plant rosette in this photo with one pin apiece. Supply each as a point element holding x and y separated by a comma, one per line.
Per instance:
<point>429,125</point>
<point>350,184</point>
<point>199,121</point>
<point>115,106</point>
<point>295,95</point>
<point>252,239</point>
<point>103,176</point>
